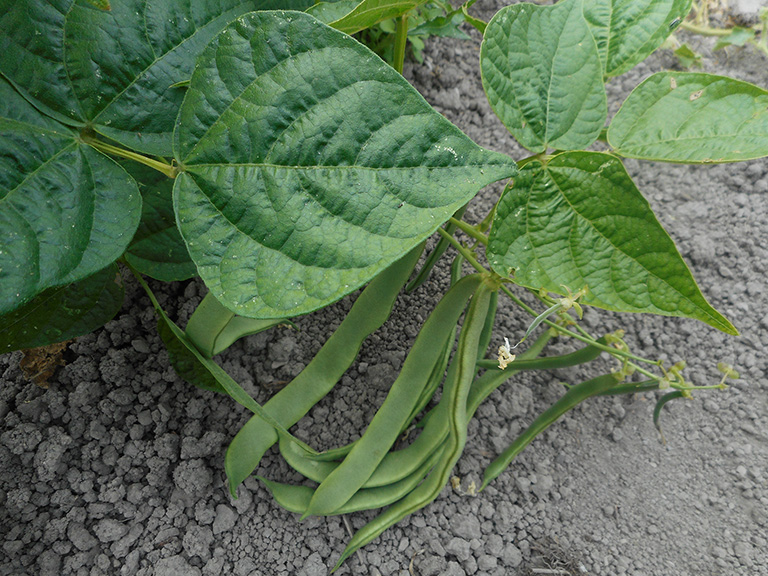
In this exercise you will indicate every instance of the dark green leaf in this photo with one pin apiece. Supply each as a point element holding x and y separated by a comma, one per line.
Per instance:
<point>580,221</point>
<point>157,249</point>
<point>59,314</point>
<point>628,31</point>
<point>66,210</point>
<point>310,166</point>
<point>692,118</point>
<point>114,69</point>
<point>543,77</point>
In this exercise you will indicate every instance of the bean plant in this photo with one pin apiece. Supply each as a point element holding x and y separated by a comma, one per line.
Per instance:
<point>259,147</point>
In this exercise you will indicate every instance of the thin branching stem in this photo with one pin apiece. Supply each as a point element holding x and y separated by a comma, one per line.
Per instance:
<point>470,230</point>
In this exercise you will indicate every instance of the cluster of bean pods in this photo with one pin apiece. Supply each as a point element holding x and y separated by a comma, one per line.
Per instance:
<point>368,473</point>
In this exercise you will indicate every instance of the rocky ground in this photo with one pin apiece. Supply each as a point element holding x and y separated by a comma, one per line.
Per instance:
<point>117,468</point>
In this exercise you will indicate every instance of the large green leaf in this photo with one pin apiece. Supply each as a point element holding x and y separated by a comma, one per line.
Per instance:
<point>692,118</point>
<point>115,69</point>
<point>628,31</point>
<point>580,221</point>
<point>66,210</point>
<point>370,12</point>
<point>542,75</point>
<point>59,314</point>
<point>157,249</point>
<point>309,166</point>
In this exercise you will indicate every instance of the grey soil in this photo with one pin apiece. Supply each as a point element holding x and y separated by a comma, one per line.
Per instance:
<point>117,469</point>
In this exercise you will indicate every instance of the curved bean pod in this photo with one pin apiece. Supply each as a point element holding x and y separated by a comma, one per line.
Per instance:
<point>493,378</point>
<point>289,405</point>
<point>455,398</point>
<point>567,401</point>
<point>490,320</point>
<point>385,426</point>
<point>297,498</point>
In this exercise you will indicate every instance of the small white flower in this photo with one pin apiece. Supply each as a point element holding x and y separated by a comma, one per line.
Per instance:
<point>505,354</point>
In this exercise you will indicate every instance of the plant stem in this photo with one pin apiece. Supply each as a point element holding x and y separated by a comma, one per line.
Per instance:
<point>587,339</point>
<point>466,253</point>
<point>469,230</point>
<point>165,168</point>
<point>704,30</point>
<point>401,37</point>
<point>542,156</point>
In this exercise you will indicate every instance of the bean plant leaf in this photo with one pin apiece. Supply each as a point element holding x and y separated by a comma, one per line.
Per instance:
<point>114,69</point>
<point>157,249</point>
<point>370,12</point>
<point>309,166</point>
<point>59,314</point>
<point>628,31</point>
<point>692,118</point>
<point>328,12</point>
<point>738,37</point>
<point>580,221</point>
<point>543,77</point>
<point>66,210</point>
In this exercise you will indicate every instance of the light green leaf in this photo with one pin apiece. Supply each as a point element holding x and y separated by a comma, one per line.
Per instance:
<point>543,77</point>
<point>328,12</point>
<point>442,27</point>
<point>157,249</point>
<point>687,57</point>
<point>310,166</point>
<point>66,210</point>
<point>692,118</point>
<point>370,12</point>
<point>59,314</point>
<point>580,221</point>
<point>114,69</point>
<point>738,37</point>
<point>628,31</point>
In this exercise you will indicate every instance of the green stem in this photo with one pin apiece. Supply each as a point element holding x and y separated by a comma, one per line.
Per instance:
<point>401,37</point>
<point>587,339</point>
<point>467,254</point>
<point>469,230</point>
<point>704,30</point>
<point>541,156</point>
<point>165,168</point>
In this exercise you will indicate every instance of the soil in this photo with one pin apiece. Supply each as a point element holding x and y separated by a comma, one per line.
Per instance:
<point>117,468</point>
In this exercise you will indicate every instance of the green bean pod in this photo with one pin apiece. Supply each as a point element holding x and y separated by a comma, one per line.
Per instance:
<point>493,378</point>
<point>455,397</point>
<point>568,401</point>
<point>289,405</point>
<point>385,427</point>
<point>339,453</point>
<point>490,320</point>
<point>297,498</point>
